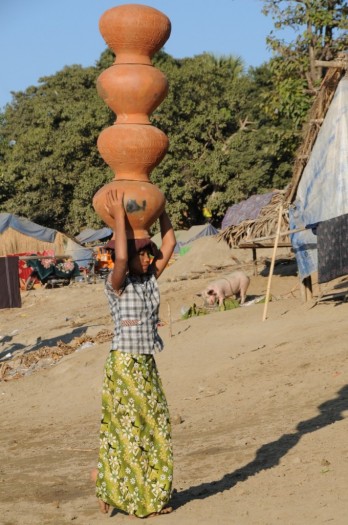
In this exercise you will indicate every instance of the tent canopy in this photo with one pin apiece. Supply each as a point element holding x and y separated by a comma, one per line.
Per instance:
<point>322,191</point>
<point>91,235</point>
<point>194,233</point>
<point>185,237</point>
<point>27,227</point>
<point>207,231</point>
<point>246,210</point>
<point>20,235</point>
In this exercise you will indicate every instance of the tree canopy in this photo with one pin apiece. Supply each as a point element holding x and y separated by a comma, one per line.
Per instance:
<point>305,31</point>
<point>220,151</point>
<point>233,133</point>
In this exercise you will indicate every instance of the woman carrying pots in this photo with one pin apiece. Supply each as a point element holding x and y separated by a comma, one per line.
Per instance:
<point>135,465</point>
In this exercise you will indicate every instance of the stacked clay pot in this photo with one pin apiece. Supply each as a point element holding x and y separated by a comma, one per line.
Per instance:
<point>133,88</point>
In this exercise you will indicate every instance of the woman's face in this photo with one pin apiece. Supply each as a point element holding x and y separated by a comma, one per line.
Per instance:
<point>139,264</point>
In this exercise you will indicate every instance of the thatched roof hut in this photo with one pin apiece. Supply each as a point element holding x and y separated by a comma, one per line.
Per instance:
<point>262,230</point>
<point>18,235</point>
<point>12,242</point>
<point>264,225</point>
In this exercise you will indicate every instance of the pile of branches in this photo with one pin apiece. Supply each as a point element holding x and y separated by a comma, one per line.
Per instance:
<point>20,365</point>
<point>265,225</point>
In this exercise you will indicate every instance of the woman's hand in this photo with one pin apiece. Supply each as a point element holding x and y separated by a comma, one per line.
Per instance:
<point>114,203</point>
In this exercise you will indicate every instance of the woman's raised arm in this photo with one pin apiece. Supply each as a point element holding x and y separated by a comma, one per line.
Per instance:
<point>115,207</point>
<point>168,244</point>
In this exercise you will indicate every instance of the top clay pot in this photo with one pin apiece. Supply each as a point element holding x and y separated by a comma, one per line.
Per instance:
<point>134,32</point>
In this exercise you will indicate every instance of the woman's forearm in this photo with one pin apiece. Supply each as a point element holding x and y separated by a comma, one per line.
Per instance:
<point>167,231</point>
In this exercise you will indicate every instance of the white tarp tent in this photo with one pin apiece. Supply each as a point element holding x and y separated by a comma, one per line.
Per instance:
<point>322,192</point>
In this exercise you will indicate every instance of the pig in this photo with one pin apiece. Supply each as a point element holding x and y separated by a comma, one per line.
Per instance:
<point>235,284</point>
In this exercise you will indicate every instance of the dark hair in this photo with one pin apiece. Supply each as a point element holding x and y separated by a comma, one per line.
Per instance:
<point>134,246</point>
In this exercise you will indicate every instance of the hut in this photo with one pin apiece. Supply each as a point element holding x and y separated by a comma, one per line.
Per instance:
<point>252,222</point>
<point>318,191</point>
<point>318,194</point>
<point>20,236</point>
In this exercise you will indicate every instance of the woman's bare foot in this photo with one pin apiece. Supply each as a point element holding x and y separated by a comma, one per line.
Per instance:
<point>103,507</point>
<point>94,474</point>
<point>165,510</point>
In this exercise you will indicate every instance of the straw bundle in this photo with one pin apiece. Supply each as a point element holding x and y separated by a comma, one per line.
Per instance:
<point>12,241</point>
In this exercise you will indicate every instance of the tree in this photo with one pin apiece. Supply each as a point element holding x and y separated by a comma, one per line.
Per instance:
<point>320,33</point>
<point>196,115</point>
<point>224,145</point>
<point>53,167</point>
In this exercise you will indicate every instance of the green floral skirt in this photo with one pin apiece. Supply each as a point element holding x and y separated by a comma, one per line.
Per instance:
<point>135,467</point>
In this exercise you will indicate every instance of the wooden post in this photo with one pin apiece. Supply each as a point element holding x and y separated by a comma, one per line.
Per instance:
<point>309,290</point>
<point>272,262</point>
<point>306,289</point>
<point>255,261</point>
<point>302,291</point>
<point>169,320</point>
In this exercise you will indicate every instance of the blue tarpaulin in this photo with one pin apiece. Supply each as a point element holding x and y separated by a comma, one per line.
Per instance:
<point>245,210</point>
<point>22,225</point>
<point>90,235</point>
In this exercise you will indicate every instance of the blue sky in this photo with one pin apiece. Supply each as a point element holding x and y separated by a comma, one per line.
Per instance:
<point>40,37</point>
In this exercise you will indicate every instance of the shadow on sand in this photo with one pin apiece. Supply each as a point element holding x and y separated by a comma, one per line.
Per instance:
<point>40,343</point>
<point>270,454</point>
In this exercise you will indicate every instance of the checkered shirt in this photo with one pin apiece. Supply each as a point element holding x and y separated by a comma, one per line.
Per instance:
<point>135,315</point>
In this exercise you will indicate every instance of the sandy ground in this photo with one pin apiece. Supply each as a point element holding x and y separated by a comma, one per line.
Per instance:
<point>258,407</point>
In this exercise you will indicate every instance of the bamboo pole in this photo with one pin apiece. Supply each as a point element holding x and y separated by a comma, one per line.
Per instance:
<point>340,64</point>
<point>272,263</point>
<point>39,257</point>
<point>268,237</point>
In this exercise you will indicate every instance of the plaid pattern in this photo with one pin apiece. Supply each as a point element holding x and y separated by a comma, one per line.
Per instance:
<point>135,315</point>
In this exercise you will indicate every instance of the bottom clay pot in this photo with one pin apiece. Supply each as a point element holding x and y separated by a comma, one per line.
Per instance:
<point>143,201</point>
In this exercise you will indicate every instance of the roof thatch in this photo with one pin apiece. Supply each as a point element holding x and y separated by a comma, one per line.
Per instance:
<point>12,241</point>
<point>266,223</point>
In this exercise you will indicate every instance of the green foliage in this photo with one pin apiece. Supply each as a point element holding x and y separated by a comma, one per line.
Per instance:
<point>197,311</point>
<point>216,125</point>
<point>319,30</point>
<point>51,162</point>
<point>225,142</point>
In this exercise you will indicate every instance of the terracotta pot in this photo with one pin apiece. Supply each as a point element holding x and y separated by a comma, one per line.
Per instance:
<point>133,88</point>
<point>143,202</point>
<point>132,91</point>
<point>134,32</point>
<point>132,151</point>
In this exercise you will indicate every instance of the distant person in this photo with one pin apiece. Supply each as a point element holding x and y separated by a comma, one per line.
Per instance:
<point>207,214</point>
<point>135,466</point>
